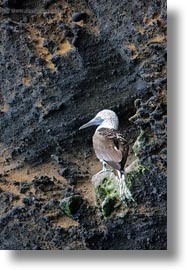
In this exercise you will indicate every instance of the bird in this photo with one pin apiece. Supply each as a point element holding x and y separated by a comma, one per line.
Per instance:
<point>110,147</point>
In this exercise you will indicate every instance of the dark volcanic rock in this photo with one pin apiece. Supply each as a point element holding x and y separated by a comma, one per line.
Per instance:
<point>42,182</point>
<point>13,3</point>
<point>54,77</point>
<point>79,16</point>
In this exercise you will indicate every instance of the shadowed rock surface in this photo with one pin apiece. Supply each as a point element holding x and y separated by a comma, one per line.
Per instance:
<point>55,75</point>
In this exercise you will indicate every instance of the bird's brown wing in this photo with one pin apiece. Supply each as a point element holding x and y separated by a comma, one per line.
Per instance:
<point>109,146</point>
<point>124,147</point>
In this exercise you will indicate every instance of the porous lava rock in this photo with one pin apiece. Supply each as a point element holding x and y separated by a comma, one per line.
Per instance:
<point>55,76</point>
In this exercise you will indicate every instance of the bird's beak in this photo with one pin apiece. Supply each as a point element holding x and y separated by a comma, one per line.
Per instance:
<point>93,122</point>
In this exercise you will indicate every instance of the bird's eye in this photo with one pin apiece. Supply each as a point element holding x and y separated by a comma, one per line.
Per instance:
<point>99,119</point>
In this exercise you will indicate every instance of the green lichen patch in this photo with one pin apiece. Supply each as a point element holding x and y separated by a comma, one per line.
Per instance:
<point>107,188</point>
<point>138,143</point>
<point>130,177</point>
<point>106,191</point>
<point>135,176</point>
<point>110,187</point>
<point>71,204</point>
<point>108,205</point>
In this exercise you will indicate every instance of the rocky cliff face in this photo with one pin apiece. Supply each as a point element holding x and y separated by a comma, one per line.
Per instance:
<point>55,75</point>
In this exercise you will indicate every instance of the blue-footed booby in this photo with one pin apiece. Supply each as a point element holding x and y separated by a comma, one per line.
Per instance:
<point>110,147</point>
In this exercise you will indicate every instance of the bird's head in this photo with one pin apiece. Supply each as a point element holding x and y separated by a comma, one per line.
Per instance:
<point>104,118</point>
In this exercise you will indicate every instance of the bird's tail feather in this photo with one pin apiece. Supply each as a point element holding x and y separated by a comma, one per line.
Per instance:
<point>123,189</point>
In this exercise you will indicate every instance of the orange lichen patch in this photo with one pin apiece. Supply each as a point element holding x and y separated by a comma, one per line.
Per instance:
<point>4,107</point>
<point>26,80</point>
<point>40,105</point>
<point>3,103</point>
<point>133,50</point>
<point>42,52</point>
<point>147,20</point>
<point>158,38</point>
<point>140,29</point>
<point>28,173</point>
<point>54,16</point>
<point>66,222</point>
<point>86,190</point>
<point>150,20</point>
<point>64,47</point>
<point>51,66</point>
<point>156,16</point>
<point>81,23</point>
